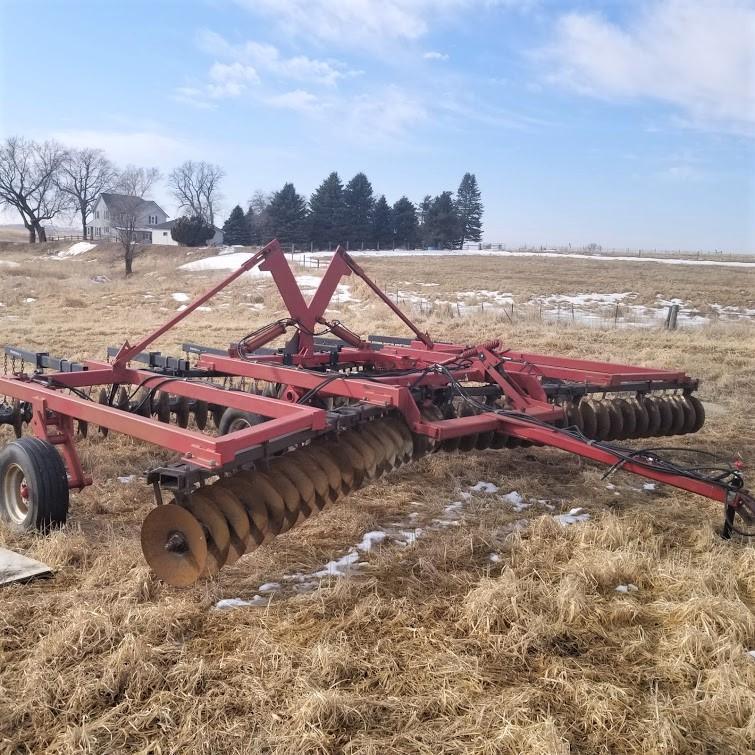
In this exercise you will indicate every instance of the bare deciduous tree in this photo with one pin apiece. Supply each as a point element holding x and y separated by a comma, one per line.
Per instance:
<point>135,184</point>
<point>196,187</point>
<point>29,173</point>
<point>84,175</point>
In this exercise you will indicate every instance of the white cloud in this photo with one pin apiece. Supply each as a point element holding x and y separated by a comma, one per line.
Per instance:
<point>297,100</point>
<point>697,56</point>
<point>230,79</point>
<point>383,115</point>
<point>433,55</point>
<point>365,21</point>
<point>267,58</point>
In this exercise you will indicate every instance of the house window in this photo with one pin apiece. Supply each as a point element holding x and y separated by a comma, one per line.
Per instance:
<point>97,214</point>
<point>107,215</point>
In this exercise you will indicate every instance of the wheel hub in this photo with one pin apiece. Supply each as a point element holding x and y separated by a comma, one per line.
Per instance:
<point>16,493</point>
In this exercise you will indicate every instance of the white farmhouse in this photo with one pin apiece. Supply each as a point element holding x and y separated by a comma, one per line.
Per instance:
<point>113,211</point>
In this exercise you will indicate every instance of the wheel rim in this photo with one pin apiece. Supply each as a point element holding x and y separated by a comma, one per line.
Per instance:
<point>240,423</point>
<point>16,493</point>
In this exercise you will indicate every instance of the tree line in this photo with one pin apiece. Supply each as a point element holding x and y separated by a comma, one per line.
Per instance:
<point>340,214</point>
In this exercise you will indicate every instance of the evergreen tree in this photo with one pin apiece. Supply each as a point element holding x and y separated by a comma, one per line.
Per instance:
<point>469,209</point>
<point>327,212</point>
<point>382,224</point>
<point>236,229</point>
<point>405,224</point>
<point>288,215</point>
<point>442,222</point>
<point>424,213</point>
<point>359,206</point>
<point>192,231</point>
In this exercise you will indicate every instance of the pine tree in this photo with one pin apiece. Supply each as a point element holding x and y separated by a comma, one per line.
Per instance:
<point>442,228</point>
<point>192,231</point>
<point>469,208</point>
<point>405,224</point>
<point>382,224</point>
<point>327,212</point>
<point>424,214</point>
<point>288,215</point>
<point>235,229</point>
<point>359,206</point>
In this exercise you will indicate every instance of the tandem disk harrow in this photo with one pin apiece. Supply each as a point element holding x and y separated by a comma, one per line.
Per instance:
<point>266,437</point>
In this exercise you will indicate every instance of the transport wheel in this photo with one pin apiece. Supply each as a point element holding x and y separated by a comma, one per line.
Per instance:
<point>174,545</point>
<point>234,420</point>
<point>33,485</point>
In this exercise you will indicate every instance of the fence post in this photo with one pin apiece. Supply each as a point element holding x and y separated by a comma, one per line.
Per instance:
<point>616,316</point>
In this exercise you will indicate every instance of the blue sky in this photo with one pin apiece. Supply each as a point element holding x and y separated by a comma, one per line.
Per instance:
<point>625,123</point>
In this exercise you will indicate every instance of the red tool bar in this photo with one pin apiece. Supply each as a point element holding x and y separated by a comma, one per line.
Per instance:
<point>127,351</point>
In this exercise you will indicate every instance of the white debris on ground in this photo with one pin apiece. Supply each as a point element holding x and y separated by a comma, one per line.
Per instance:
<point>626,588</point>
<point>751,653</point>
<point>269,587</point>
<point>572,517</point>
<point>484,487</point>
<point>180,297</point>
<point>648,486</point>
<point>76,249</point>
<point>494,558</point>
<point>126,479</point>
<point>29,301</point>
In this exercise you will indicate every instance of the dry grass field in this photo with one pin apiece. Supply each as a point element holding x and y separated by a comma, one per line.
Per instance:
<point>483,627</point>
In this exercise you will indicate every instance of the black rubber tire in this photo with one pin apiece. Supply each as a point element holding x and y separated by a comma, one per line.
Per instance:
<point>233,417</point>
<point>45,475</point>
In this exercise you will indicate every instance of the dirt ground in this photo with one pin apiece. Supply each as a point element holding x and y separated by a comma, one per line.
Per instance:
<point>482,627</point>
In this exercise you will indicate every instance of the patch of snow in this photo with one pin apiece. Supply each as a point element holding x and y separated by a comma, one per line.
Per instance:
<point>227,603</point>
<point>203,309</point>
<point>29,301</point>
<point>751,653</point>
<point>100,279</point>
<point>648,486</point>
<point>370,539</point>
<point>574,516</point>
<point>484,487</point>
<point>517,500</point>
<point>269,587</point>
<point>494,557</point>
<point>340,566</point>
<point>224,262</point>
<point>76,249</point>
<point>127,479</point>
<point>181,297</point>
<point>182,308</point>
<point>456,253</point>
<point>626,588</point>
<point>9,263</point>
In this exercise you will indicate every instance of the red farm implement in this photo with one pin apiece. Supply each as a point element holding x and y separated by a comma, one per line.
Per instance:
<point>266,437</point>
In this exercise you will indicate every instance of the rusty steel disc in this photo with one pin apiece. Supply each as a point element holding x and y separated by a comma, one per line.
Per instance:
<point>300,480</point>
<point>182,411</point>
<point>354,439</point>
<point>255,508</point>
<point>405,434</point>
<point>162,407</point>
<point>654,415</point>
<point>350,456</point>
<point>573,416</point>
<point>330,467</point>
<point>201,414</point>
<point>378,450</point>
<point>102,398</point>
<point>667,418</point>
<point>340,458</point>
<point>236,519</point>
<point>318,477</point>
<point>616,422</point>
<point>641,418</point>
<point>628,421</point>
<point>699,409</point>
<point>589,421</point>
<point>174,545</point>
<point>679,417</point>
<point>217,533</point>
<point>392,449</point>
<point>602,420</point>
<point>396,440</point>
<point>259,487</point>
<point>286,489</point>
<point>689,414</point>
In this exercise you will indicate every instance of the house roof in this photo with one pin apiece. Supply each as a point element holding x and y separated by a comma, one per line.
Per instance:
<point>125,203</point>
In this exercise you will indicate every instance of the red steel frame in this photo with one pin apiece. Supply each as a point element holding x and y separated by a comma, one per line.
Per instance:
<point>519,375</point>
